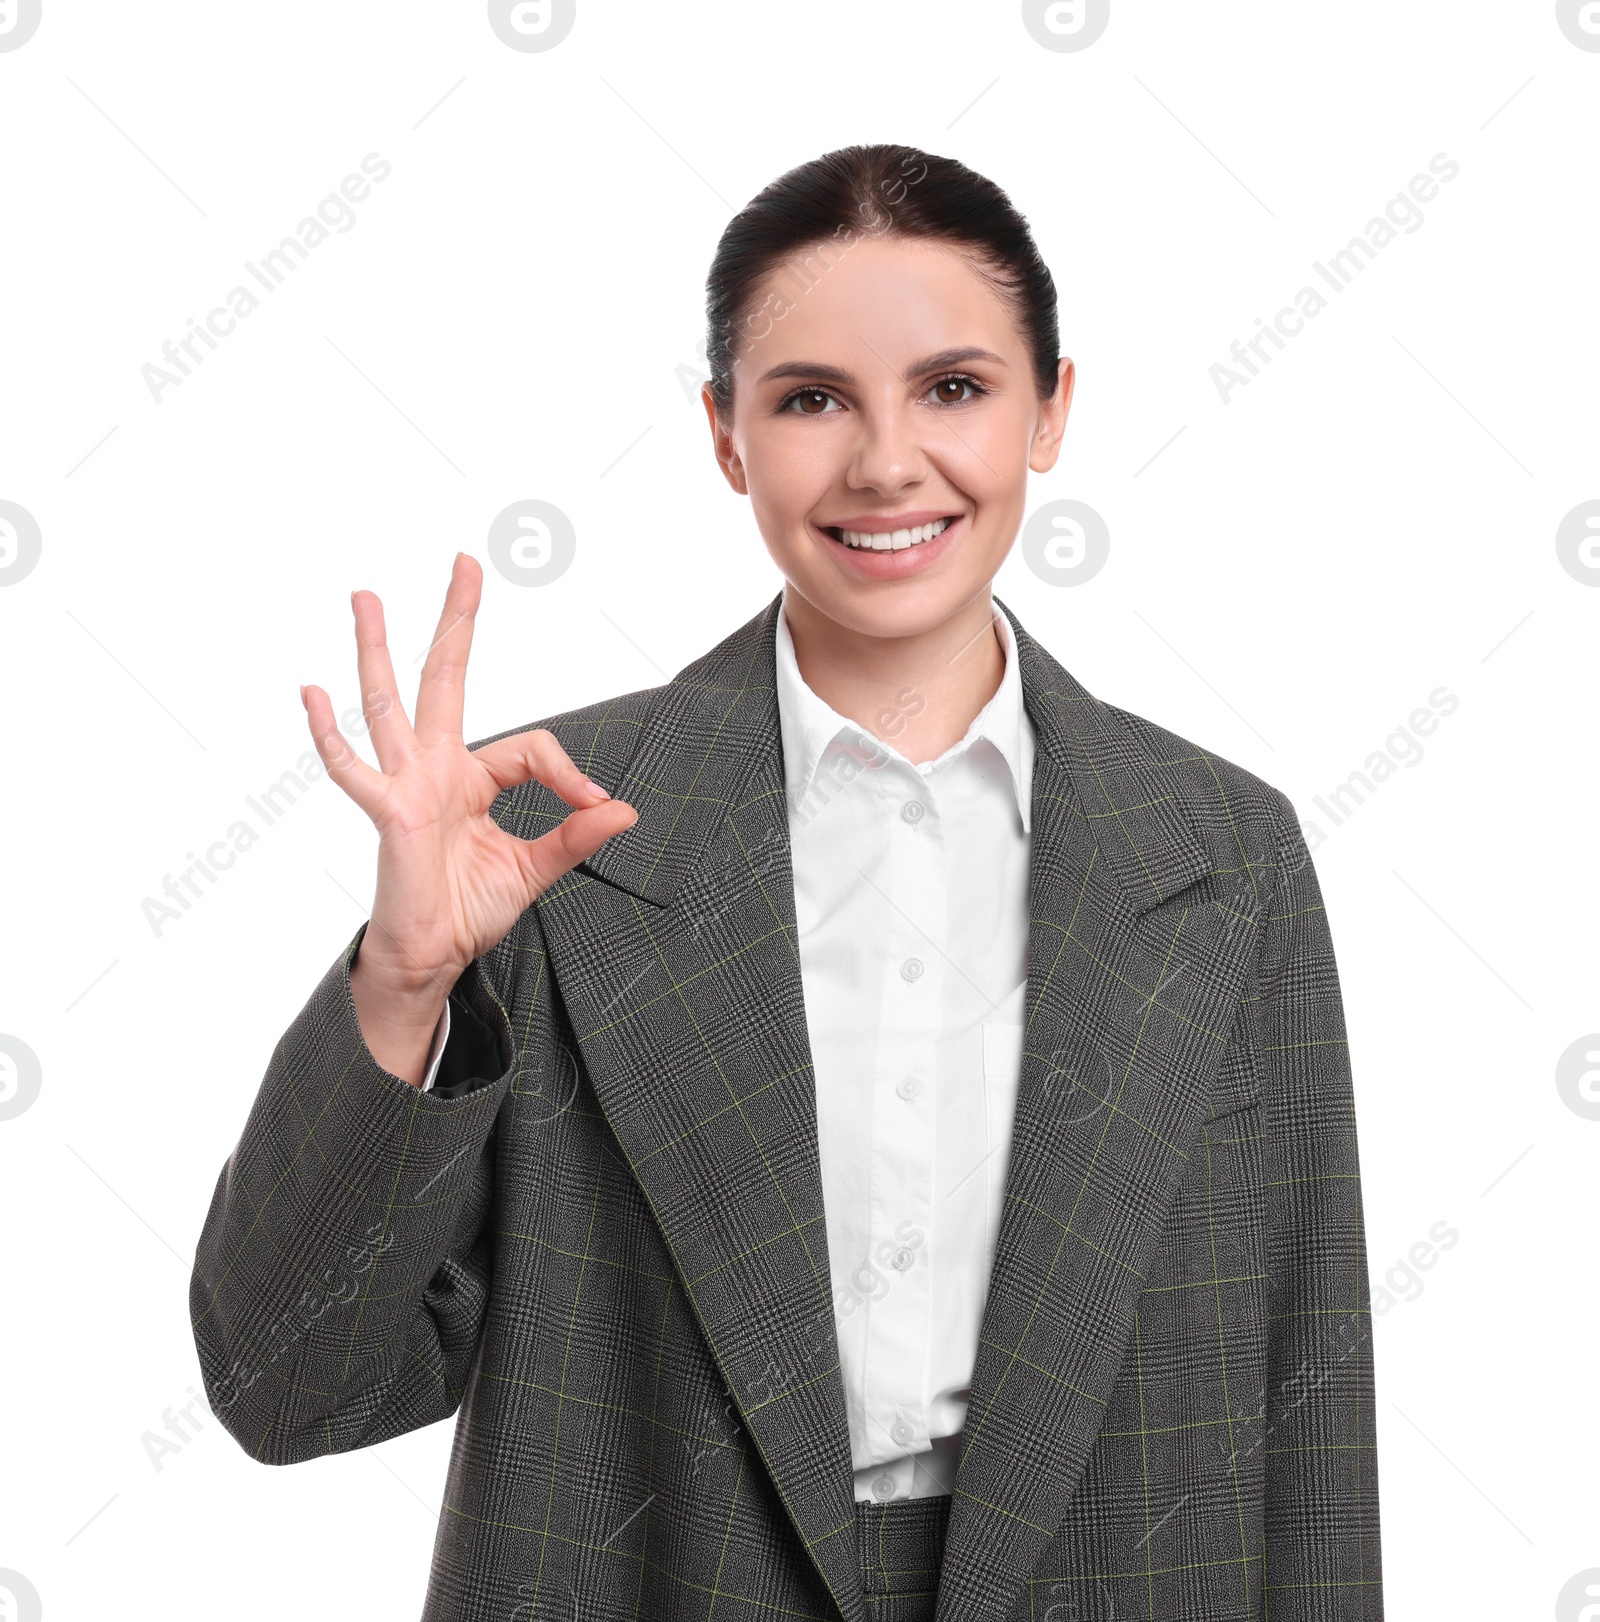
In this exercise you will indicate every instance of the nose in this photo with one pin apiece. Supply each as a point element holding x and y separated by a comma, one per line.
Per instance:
<point>888,452</point>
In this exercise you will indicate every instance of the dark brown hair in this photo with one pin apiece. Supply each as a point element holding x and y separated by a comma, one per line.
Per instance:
<point>824,207</point>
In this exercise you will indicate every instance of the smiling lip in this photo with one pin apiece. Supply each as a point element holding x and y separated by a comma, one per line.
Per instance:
<point>879,523</point>
<point>889,564</point>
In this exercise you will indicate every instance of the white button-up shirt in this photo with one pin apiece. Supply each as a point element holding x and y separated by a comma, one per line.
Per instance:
<point>911,900</point>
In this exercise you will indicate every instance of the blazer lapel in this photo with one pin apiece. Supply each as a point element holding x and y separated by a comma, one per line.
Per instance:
<point>674,950</point>
<point>1132,990</point>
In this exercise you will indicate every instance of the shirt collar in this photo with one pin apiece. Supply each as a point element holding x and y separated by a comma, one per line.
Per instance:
<point>809,724</point>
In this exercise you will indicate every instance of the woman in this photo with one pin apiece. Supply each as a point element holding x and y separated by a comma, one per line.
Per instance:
<point>894,1159</point>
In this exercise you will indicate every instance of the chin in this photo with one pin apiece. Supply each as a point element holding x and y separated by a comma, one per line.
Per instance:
<point>890,608</point>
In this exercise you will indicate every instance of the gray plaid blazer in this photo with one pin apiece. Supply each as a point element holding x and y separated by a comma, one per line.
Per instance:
<point>601,1237</point>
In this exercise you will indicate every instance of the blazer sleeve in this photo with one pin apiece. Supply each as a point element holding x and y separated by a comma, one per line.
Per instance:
<point>1322,1557</point>
<point>342,1274</point>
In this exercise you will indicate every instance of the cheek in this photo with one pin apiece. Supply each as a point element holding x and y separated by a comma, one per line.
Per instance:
<point>788,472</point>
<point>1009,439</point>
<point>989,460</point>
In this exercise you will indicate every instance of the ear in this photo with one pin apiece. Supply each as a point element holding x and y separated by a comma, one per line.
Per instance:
<point>722,443</point>
<point>1052,426</point>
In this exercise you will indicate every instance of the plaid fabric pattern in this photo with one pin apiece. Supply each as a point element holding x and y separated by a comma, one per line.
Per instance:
<point>900,1545</point>
<point>601,1242</point>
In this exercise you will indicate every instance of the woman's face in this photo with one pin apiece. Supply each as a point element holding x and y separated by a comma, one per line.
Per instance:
<point>886,387</point>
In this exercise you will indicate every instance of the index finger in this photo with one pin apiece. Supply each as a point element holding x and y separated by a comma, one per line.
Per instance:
<point>441,694</point>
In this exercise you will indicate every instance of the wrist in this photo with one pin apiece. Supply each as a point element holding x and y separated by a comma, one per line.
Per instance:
<point>409,999</point>
<point>401,976</point>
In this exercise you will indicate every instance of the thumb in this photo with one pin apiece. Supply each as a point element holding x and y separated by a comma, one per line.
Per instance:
<point>574,839</point>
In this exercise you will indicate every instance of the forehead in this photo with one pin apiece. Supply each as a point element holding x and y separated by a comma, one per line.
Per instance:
<point>893,297</point>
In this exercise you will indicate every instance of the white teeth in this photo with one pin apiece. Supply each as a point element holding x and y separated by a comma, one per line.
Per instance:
<point>894,540</point>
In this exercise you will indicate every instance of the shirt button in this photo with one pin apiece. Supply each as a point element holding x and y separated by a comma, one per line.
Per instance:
<point>908,1087</point>
<point>911,969</point>
<point>902,1259</point>
<point>883,1487</point>
<point>912,811</point>
<point>901,1431</point>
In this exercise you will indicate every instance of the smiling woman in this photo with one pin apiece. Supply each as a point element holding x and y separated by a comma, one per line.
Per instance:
<point>886,465</point>
<point>897,1159</point>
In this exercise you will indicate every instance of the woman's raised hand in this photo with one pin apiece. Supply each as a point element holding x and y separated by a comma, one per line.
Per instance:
<point>451,881</point>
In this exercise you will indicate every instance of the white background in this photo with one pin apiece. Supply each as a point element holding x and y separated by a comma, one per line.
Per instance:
<point>513,315</point>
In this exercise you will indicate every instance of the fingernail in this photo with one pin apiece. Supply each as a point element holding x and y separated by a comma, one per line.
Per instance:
<point>303,700</point>
<point>597,789</point>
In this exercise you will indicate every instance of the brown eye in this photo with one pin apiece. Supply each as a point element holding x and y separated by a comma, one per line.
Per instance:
<point>947,391</point>
<point>811,402</point>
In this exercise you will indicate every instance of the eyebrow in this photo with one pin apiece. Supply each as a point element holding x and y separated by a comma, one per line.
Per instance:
<point>918,368</point>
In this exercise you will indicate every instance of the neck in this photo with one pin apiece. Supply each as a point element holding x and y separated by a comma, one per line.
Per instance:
<point>919,692</point>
